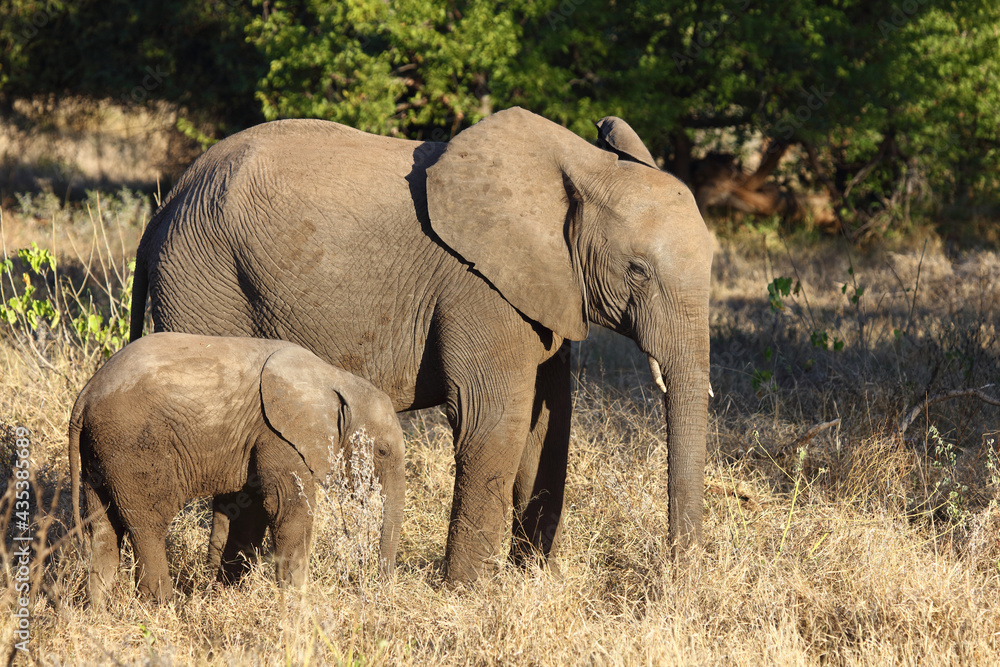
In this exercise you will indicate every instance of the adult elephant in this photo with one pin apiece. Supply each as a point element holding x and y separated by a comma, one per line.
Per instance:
<point>453,274</point>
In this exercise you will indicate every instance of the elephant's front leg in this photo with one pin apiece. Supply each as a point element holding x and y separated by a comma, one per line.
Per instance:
<point>541,477</point>
<point>491,422</point>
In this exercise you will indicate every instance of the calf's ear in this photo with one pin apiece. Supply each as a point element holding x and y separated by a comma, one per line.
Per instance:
<point>301,399</point>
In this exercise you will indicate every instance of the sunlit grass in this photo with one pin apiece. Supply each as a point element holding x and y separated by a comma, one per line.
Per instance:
<point>854,547</point>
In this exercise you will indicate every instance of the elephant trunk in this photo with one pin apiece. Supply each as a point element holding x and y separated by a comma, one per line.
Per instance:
<point>394,490</point>
<point>684,381</point>
<point>686,406</point>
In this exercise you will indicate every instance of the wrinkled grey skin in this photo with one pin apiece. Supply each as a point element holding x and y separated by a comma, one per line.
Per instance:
<point>453,274</point>
<point>251,422</point>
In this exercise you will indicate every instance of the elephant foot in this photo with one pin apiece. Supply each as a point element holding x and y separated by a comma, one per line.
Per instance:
<point>232,571</point>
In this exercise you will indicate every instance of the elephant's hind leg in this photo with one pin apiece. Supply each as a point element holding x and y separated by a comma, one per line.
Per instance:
<point>151,571</point>
<point>541,477</point>
<point>106,534</point>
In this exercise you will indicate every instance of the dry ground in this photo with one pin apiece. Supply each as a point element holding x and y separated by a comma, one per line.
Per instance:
<point>853,546</point>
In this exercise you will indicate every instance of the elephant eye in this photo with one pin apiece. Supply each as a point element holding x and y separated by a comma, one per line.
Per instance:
<point>640,272</point>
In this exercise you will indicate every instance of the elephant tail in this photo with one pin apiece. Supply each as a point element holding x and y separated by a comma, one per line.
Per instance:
<point>140,286</point>
<point>75,426</point>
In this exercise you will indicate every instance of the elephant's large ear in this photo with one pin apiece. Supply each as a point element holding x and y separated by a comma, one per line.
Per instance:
<point>617,136</point>
<point>503,197</point>
<point>302,402</point>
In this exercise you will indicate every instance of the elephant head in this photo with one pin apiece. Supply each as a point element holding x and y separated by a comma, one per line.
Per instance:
<point>316,407</point>
<point>570,233</point>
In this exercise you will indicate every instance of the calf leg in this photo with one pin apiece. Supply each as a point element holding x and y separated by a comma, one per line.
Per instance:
<point>106,533</point>
<point>151,571</point>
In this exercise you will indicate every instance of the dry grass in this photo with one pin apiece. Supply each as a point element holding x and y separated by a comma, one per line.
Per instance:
<point>851,548</point>
<point>65,143</point>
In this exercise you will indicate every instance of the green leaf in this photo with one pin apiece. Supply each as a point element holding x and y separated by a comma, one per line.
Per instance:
<point>778,288</point>
<point>819,339</point>
<point>760,378</point>
<point>37,257</point>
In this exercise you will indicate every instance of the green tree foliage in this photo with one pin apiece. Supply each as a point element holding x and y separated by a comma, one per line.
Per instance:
<point>876,91</point>
<point>889,101</point>
<point>193,53</point>
<point>394,68</point>
<point>886,98</point>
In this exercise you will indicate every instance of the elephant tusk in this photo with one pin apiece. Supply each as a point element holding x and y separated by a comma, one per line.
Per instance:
<point>711,393</point>
<point>654,368</point>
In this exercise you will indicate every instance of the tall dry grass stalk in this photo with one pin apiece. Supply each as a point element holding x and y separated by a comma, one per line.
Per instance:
<point>347,519</point>
<point>853,547</point>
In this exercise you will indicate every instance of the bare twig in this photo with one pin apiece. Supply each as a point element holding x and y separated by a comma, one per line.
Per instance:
<point>916,288</point>
<point>912,415</point>
<point>812,432</point>
<point>857,304</point>
<point>794,445</point>
<point>798,279</point>
<point>39,357</point>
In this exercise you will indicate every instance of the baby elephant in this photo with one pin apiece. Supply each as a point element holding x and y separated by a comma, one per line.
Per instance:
<point>253,423</point>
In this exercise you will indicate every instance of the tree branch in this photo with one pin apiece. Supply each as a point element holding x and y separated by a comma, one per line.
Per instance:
<point>863,173</point>
<point>772,156</point>
<point>812,433</point>
<point>943,396</point>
